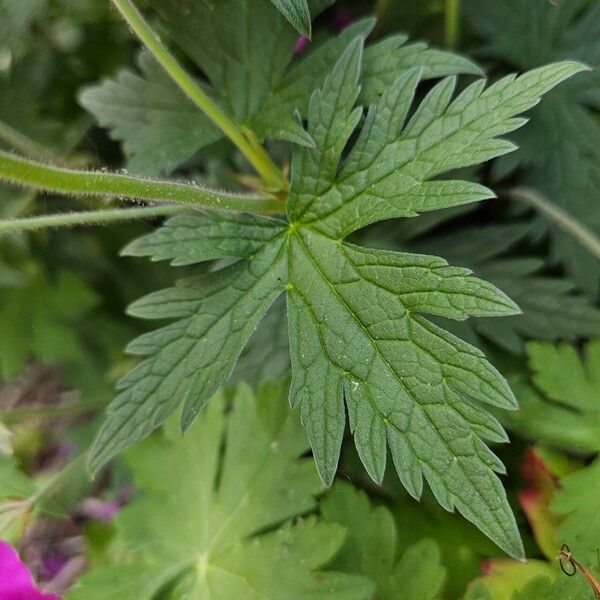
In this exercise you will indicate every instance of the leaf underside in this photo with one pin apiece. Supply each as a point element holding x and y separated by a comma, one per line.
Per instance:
<point>359,342</point>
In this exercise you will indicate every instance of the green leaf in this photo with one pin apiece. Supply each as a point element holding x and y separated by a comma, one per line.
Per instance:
<point>157,124</point>
<point>359,341</point>
<point>297,13</point>
<point>213,520</point>
<point>372,548</point>
<point>533,580</point>
<point>39,320</point>
<point>573,588</point>
<point>16,17</point>
<point>463,548</point>
<point>577,501</point>
<point>562,405</point>
<point>246,49</point>
<point>551,307</point>
<point>560,150</point>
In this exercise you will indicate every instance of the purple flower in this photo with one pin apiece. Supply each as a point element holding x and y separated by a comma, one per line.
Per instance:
<point>342,19</point>
<point>301,44</point>
<point>16,582</point>
<point>99,510</point>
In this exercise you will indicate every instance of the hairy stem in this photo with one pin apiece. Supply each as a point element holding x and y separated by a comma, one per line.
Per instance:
<point>28,173</point>
<point>452,23</point>
<point>559,217</point>
<point>260,160</point>
<point>92,217</point>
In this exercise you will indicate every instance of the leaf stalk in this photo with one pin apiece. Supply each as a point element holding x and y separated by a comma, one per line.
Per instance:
<point>256,154</point>
<point>586,237</point>
<point>48,178</point>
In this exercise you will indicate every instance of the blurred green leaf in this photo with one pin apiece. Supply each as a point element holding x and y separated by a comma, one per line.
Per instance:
<point>39,321</point>
<point>373,548</point>
<point>561,406</point>
<point>214,515</point>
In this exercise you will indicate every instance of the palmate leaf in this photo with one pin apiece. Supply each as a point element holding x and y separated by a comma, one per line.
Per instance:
<point>578,502</point>
<point>208,499</point>
<point>372,548</point>
<point>358,339</point>
<point>245,49</point>
<point>560,150</point>
<point>561,405</point>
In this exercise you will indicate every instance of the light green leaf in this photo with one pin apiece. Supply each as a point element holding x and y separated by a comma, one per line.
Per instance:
<point>562,405</point>
<point>578,502</point>
<point>373,548</point>
<point>297,13</point>
<point>358,339</point>
<point>213,521</point>
<point>563,588</point>
<point>508,580</point>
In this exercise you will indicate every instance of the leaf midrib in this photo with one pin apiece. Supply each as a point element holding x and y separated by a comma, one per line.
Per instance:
<point>392,370</point>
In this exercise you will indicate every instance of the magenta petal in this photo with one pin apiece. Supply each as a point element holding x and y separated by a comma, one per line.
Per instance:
<point>100,510</point>
<point>16,582</point>
<point>301,44</point>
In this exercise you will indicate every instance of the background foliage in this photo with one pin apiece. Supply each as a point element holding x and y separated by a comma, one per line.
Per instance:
<point>236,509</point>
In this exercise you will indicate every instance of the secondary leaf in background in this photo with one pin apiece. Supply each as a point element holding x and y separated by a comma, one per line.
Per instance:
<point>207,501</point>
<point>267,355</point>
<point>15,18</point>
<point>463,548</point>
<point>39,321</point>
<point>245,49</point>
<point>551,307</point>
<point>502,579</point>
<point>560,149</point>
<point>578,502</point>
<point>374,549</point>
<point>562,404</point>
<point>297,13</point>
<point>159,127</point>
<point>531,581</point>
<point>562,588</point>
<point>356,330</point>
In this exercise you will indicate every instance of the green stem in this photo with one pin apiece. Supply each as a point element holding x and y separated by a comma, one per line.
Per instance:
<point>559,217</point>
<point>92,217</point>
<point>452,23</point>
<point>20,507</point>
<point>28,173</point>
<point>22,143</point>
<point>48,411</point>
<point>257,156</point>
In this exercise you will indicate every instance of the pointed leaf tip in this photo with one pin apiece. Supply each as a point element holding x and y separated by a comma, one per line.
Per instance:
<point>297,13</point>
